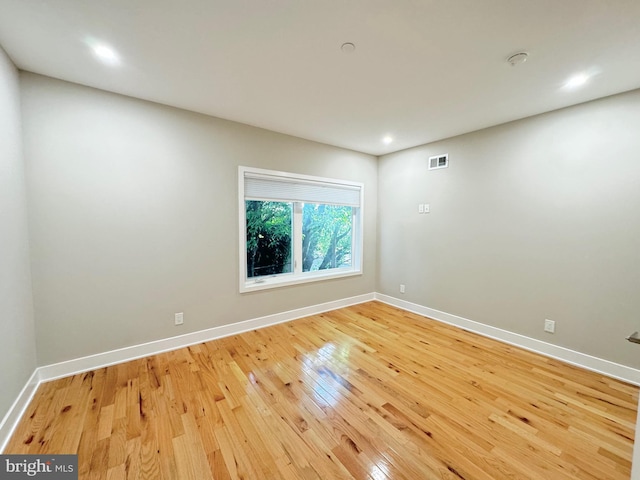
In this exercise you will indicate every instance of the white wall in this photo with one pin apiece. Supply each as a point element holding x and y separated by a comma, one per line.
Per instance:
<point>133,217</point>
<point>533,219</point>
<point>17,338</point>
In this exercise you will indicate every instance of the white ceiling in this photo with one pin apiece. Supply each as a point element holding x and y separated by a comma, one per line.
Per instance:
<point>422,70</point>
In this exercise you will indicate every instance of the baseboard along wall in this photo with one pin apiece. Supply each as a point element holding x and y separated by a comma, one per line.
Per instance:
<point>588,362</point>
<point>13,416</point>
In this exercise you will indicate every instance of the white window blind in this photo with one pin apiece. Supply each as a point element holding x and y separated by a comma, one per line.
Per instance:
<point>259,186</point>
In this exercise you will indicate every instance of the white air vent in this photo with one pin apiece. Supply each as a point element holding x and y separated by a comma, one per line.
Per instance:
<point>439,161</point>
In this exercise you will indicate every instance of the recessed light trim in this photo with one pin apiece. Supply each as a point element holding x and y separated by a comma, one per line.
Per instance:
<point>387,139</point>
<point>348,47</point>
<point>518,58</point>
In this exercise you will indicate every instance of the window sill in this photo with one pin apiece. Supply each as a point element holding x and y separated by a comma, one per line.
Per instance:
<point>289,280</point>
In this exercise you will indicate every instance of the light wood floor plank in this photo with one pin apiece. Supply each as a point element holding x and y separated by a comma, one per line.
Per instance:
<point>364,392</point>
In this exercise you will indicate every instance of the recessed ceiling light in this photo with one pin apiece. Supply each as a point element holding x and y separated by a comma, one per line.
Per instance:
<point>348,47</point>
<point>105,53</point>
<point>387,139</point>
<point>577,81</point>
<point>518,58</point>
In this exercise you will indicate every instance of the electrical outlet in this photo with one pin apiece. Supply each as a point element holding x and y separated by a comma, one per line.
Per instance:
<point>550,326</point>
<point>401,288</point>
<point>179,318</point>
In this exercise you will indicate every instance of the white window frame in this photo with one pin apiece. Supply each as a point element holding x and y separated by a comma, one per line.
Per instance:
<point>297,276</point>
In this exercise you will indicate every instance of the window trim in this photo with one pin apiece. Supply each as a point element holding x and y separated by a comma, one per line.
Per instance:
<point>287,279</point>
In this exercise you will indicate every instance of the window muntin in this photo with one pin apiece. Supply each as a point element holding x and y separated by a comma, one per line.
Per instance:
<point>297,228</point>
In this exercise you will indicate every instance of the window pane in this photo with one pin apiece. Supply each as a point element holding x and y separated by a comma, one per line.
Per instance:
<point>326,236</point>
<point>268,238</point>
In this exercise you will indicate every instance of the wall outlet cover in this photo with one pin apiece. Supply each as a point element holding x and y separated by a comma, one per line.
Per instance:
<point>549,326</point>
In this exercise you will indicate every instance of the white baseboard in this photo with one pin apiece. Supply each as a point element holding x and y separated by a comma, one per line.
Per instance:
<point>104,359</point>
<point>13,416</point>
<point>598,365</point>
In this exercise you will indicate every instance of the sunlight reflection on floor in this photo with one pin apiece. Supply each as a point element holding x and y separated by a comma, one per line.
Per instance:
<point>322,368</point>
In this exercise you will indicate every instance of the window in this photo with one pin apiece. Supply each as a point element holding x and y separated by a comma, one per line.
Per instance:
<point>297,228</point>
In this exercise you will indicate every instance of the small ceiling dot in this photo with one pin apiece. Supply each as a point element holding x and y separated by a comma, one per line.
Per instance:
<point>348,47</point>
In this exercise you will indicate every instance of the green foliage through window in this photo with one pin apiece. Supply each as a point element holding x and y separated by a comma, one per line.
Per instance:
<point>326,236</point>
<point>268,238</point>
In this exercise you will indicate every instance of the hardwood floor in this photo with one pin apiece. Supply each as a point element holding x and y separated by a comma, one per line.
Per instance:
<point>366,392</point>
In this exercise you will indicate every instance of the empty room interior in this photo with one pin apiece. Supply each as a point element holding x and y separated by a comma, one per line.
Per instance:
<point>315,240</point>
